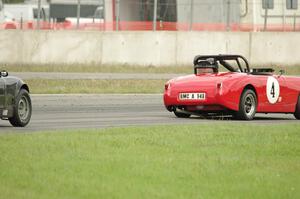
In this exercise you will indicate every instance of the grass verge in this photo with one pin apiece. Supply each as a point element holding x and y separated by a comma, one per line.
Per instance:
<point>290,70</point>
<point>42,86</point>
<point>223,161</point>
<point>98,69</point>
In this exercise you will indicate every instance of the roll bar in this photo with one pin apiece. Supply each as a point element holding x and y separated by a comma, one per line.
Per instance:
<point>221,58</point>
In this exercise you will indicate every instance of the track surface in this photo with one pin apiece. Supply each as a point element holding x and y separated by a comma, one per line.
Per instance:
<point>54,112</point>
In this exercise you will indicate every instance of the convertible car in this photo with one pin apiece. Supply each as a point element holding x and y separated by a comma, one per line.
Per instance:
<point>15,102</point>
<point>224,84</point>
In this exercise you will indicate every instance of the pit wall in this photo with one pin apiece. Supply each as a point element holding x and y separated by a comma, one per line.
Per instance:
<point>145,48</point>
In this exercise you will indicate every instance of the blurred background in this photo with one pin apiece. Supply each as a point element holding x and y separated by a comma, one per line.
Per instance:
<point>167,15</point>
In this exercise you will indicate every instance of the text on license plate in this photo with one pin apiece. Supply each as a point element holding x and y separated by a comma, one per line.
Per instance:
<point>192,96</point>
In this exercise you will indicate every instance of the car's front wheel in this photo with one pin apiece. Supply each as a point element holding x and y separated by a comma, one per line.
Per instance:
<point>297,111</point>
<point>247,106</point>
<point>181,115</point>
<point>22,109</point>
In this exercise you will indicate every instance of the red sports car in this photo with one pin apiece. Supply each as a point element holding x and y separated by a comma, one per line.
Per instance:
<point>224,84</point>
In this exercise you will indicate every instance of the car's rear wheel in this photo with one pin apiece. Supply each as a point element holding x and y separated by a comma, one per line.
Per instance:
<point>297,111</point>
<point>181,115</point>
<point>22,109</point>
<point>247,106</point>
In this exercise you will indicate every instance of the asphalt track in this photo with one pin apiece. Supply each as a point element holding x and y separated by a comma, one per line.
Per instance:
<point>60,112</point>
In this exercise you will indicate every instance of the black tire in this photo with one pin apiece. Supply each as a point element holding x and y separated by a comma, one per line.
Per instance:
<point>247,106</point>
<point>22,109</point>
<point>182,115</point>
<point>297,111</point>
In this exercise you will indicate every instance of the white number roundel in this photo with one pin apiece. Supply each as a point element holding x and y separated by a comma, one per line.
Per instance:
<point>273,90</point>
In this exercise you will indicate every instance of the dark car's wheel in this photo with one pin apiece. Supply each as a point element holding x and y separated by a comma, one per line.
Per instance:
<point>297,111</point>
<point>247,106</point>
<point>182,115</point>
<point>22,110</point>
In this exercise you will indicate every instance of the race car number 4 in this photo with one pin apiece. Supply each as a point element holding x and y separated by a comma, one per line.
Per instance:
<point>192,96</point>
<point>273,90</point>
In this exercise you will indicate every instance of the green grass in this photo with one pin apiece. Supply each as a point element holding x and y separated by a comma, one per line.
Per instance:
<point>290,70</point>
<point>198,161</point>
<point>93,68</point>
<point>42,86</point>
<point>97,68</point>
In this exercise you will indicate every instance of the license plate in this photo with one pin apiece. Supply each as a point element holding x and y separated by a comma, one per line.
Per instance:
<point>192,96</point>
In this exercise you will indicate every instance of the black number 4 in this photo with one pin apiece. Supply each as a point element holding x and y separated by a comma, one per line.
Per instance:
<point>273,90</point>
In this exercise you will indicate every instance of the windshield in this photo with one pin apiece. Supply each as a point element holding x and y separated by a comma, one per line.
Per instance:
<point>230,65</point>
<point>233,65</point>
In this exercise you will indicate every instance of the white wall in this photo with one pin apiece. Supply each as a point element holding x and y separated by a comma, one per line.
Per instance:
<point>144,48</point>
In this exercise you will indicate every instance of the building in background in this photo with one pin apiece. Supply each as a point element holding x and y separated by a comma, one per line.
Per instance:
<point>250,14</point>
<point>62,9</point>
<point>220,15</point>
<point>274,14</point>
<point>143,10</point>
<point>27,12</point>
<point>2,19</point>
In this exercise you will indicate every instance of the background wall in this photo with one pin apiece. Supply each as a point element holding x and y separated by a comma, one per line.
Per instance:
<point>145,48</point>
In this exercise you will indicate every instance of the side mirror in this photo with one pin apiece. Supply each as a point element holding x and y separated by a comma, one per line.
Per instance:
<point>3,74</point>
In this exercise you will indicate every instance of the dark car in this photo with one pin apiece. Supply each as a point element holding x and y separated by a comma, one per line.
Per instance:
<point>15,102</point>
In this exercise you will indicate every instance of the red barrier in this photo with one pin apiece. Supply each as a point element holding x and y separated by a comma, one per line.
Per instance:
<point>148,26</point>
<point>9,25</point>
